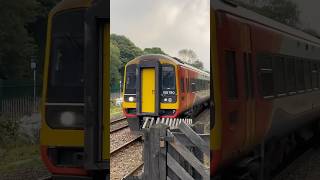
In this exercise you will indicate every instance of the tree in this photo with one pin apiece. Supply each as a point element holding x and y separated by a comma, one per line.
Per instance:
<point>198,64</point>
<point>187,55</point>
<point>128,50</point>
<point>284,11</point>
<point>114,65</point>
<point>154,50</point>
<point>22,35</point>
<point>16,44</point>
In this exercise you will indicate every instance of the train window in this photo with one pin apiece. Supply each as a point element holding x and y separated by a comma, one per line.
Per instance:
<point>66,61</point>
<point>168,78</point>
<point>279,75</point>
<point>266,75</point>
<point>131,79</point>
<point>230,57</point>
<point>315,77</point>
<point>182,85</point>
<point>299,75</point>
<point>307,74</point>
<point>193,85</point>
<point>290,77</point>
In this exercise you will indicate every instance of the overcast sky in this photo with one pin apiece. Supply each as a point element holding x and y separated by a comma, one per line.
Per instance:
<point>171,25</point>
<point>310,14</point>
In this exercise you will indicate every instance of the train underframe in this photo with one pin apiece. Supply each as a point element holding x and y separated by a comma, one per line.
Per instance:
<point>268,159</point>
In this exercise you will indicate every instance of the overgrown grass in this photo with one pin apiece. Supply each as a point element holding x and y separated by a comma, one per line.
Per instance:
<point>115,111</point>
<point>15,157</point>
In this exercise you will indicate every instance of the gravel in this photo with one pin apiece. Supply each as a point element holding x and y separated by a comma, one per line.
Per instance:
<point>118,125</point>
<point>25,174</point>
<point>306,167</point>
<point>125,161</point>
<point>119,138</point>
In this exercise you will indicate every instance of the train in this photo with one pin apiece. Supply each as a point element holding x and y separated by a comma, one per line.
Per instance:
<point>265,78</point>
<point>161,86</point>
<point>74,135</point>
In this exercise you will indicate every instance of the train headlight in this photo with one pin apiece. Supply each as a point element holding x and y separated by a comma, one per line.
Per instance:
<point>169,98</point>
<point>65,117</point>
<point>131,99</point>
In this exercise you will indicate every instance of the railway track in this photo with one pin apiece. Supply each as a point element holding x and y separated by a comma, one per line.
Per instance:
<point>133,171</point>
<point>115,127</point>
<point>134,140</point>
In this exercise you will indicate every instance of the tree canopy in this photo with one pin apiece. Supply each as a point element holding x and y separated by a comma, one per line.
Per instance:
<point>154,50</point>
<point>187,55</point>
<point>128,50</point>
<point>21,34</point>
<point>284,11</point>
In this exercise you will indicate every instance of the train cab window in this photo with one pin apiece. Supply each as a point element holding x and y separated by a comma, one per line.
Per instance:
<point>230,57</point>
<point>168,77</point>
<point>300,75</point>
<point>279,75</point>
<point>315,77</point>
<point>65,82</point>
<point>131,79</point>
<point>290,77</point>
<point>266,75</point>
<point>307,74</point>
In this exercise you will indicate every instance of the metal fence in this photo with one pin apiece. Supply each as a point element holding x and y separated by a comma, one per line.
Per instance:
<point>17,98</point>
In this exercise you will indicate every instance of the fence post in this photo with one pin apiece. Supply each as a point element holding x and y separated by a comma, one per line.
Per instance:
<point>155,153</point>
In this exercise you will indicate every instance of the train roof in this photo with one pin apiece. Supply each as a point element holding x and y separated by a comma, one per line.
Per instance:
<point>70,4</point>
<point>172,59</point>
<point>232,8</point>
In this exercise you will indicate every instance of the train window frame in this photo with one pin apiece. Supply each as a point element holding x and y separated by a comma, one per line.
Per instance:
<point>279,75</point>
<point>299,75</point>
<point>131,90</point>
<point>307,74</point>
<point>230,57</point>
<point>69,90</point>
<point>314,74</point>
<point>265,69</point>
<point>290,73</point>
<point>172,75</point>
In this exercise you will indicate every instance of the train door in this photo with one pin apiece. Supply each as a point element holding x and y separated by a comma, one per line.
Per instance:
<point>237,109</point>
<point>96,66</point>
<point>183,99</point>
<point>248,85</point>
<point>148,90</point>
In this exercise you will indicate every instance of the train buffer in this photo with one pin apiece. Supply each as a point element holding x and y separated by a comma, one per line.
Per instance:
<point>173,123</point>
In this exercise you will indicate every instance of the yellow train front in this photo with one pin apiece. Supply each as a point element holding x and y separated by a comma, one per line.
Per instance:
<point>65,136</point>
<point>162,86</point>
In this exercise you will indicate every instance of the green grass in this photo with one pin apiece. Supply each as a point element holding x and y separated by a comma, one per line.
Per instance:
<point>19,157</point>
<point>115,111</point>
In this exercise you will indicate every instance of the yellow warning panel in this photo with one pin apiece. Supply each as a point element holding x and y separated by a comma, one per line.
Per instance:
<point>148,90</point>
